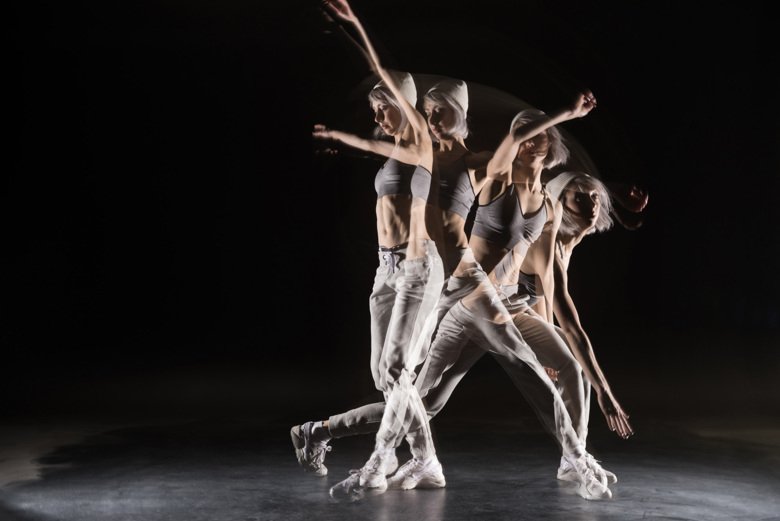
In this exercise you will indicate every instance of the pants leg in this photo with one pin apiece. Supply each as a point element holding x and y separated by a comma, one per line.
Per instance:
<point>504,340</point>
<point>417,294</point>
<point>360,420</point>
<point>380,305</point>
<point>552,351</point>
<point>451,355</point>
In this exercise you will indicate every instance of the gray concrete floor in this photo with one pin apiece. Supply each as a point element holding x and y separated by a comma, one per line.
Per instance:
<point>243,469</point>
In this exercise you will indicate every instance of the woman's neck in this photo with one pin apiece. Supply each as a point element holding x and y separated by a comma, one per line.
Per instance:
<point>528,176</point>
<point>568,242</point>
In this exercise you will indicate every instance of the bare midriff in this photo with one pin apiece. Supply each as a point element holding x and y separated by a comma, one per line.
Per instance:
<point>400,219</point>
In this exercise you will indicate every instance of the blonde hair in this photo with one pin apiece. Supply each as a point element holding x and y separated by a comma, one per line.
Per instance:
<point>581,182</point>
<point>558,153</point>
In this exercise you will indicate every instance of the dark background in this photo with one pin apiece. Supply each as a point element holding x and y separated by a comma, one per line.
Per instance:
<point>172,239</point>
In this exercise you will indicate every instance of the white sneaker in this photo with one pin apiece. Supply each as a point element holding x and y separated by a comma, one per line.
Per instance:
<point>310,453</point>
<point>589,485</point>
<point>391,465</point>
<point>566,471</point>
<point>348,489</point>
<point>374,473</point>
<point>600,471</point>
<point>417,473</point>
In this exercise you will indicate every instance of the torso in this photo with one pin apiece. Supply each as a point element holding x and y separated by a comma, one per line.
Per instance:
<point>502,226</point>
<point>402,193</point>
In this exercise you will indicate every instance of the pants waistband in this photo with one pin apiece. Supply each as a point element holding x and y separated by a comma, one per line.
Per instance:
<point>393,248</point>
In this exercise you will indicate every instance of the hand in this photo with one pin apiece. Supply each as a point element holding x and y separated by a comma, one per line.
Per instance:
<point>552,373</point>
<point>584,103</point>
<point>341,9</point>
<point>617,419</point>
<point>632,198</point>
<point>322,132</point>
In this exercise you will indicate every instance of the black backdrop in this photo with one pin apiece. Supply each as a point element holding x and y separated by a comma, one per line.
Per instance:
<point>165,213</point>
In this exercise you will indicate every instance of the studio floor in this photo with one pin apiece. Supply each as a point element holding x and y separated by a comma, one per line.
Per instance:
<point>241,468</point>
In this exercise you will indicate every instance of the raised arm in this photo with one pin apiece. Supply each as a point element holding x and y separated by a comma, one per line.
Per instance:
<point>505,154</point>
<point>579,343</point>
<point>342,9</point>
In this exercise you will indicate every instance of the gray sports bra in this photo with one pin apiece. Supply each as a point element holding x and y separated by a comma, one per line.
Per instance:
<point>501,221</point>
<point>455,191</point>
<point>396,178</point>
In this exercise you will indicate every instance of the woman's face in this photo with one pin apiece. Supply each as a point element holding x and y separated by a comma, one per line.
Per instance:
<point>441,119</point>
<point>534,149</point>
<point>387,116</point>
<point>584,206</point>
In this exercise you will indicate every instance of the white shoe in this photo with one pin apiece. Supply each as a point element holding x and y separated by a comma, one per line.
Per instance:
<point>600,471</point>
<point>310,453</point>
<point>589,485</point>
<point>350,488</point>
<point>417,473</point>
<point>391,465</point>
<point>374,473</point>
<point>566,471</point>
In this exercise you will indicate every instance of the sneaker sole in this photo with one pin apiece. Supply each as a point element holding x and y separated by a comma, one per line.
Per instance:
<point>438,482</point>
<point>583,493</point>
<point>350,490</point>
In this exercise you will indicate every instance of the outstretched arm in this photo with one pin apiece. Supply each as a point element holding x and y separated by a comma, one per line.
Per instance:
<point>342,9</point>
<point>579,343</point>
<point>505,154</point>
<point>374,146</point>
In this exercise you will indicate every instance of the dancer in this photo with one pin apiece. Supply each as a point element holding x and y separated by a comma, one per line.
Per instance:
<point>460,174</point>
<point>409,278</point>
<point>416,472</point>
<point>502,234</point>
<point>586,208</point>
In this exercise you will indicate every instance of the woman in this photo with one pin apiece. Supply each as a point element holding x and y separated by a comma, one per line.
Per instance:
<point>513,211</point>
<point>433,380</point>
<point>410,273</point>
<point>460,175</point>
<point>586,208</point>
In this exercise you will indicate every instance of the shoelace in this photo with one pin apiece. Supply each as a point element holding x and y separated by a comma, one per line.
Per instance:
<point>373,464</point>
<point>318,454</point>
<point>594,465</point>
<point>585,471</point>
<point>419,471</point>
<point>407,469</point>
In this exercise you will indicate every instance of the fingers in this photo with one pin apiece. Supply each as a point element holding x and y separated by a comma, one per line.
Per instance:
<point>588,99</point>
<point>338,7</point>
<point>617,421</point>
<point>321,131</point>
<point>622,427</point>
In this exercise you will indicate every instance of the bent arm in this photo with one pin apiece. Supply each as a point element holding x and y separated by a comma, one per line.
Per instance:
<point>507,149</point>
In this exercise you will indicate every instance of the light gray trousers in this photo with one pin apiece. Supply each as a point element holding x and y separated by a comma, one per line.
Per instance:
<point>462,338</point>
<point>405,293</point>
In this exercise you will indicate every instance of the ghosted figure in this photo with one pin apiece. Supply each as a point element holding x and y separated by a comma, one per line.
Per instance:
<point>514,208</point>
<point>501,236</point>
<point>459,175</point>
<point>408,279</point>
